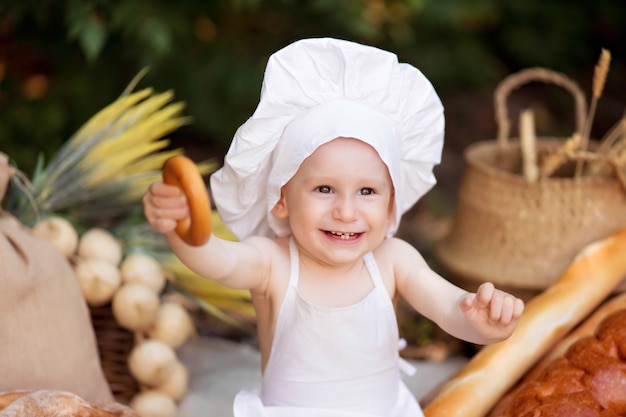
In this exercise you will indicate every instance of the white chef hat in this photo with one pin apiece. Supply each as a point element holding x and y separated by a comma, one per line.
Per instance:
<point>315,90</point>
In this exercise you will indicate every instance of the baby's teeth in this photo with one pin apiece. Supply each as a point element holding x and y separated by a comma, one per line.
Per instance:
<point>343,236</point>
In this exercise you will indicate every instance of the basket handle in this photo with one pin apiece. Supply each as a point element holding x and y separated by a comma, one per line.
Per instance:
<point>525,76</point>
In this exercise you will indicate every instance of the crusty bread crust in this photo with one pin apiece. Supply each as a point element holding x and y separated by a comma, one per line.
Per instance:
<point>57,403</point>
<point>587,371</point>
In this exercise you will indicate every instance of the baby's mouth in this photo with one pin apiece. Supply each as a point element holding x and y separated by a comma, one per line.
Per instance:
<point>343,235</point>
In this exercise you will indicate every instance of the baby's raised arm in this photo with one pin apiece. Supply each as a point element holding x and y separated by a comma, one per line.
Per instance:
<point>241,265</point>
<point>488,316</point>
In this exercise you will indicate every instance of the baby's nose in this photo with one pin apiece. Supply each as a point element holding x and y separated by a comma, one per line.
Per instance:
<point>345,209</point>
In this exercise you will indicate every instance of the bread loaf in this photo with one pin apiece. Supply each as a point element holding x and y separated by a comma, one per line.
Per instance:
<point>47,403</point>
<point>587,328</point>
<point>594,274</point>
<point>589,379</point>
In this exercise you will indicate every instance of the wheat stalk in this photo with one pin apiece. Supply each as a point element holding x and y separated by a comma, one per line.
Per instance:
<point>613,145</point>
<point>528,144</point>
<point>617,131</point>
<point>600,73</point>
<point>618,152</point>
<point>553,161</point>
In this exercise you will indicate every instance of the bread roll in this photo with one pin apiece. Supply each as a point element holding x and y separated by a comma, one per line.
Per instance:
<point>594,274</point>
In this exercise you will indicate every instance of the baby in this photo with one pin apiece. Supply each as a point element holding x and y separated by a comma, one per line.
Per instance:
<point>343,142</point>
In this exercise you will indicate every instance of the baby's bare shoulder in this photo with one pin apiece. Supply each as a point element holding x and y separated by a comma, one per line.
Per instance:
<point>273,254</point>
<point>268,247</point>
<point>399,255</point>
<point>394,246</point>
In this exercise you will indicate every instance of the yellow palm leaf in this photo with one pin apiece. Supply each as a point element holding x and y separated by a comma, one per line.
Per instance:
<point>154,162</point>
<point>106,117</point>
<point>90,132</point>
<point>115,166</point>
<point>108,163</point>
<point>151,126</point>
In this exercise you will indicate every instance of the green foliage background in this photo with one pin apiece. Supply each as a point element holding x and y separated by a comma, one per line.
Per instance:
<point>63,60</point>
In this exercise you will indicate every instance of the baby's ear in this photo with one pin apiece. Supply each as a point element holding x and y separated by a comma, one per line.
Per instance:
<point>280,208</point>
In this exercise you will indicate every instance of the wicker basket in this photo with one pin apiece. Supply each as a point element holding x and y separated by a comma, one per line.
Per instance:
<point>521,234</point>
<point>114,345</point>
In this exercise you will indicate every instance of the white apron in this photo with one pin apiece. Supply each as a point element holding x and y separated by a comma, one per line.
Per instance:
<point>332,362</point>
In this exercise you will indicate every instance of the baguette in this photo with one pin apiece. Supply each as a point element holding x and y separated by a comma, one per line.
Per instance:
<point>590,279</point>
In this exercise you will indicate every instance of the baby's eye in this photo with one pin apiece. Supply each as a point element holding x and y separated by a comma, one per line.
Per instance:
<point>367,191</point>
<point>323,189</point>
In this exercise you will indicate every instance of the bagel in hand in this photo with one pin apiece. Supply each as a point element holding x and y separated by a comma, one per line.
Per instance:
<point>182,172</point>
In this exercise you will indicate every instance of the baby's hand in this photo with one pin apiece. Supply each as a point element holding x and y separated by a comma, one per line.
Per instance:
<point>493,313</point>
<point>164,205</point>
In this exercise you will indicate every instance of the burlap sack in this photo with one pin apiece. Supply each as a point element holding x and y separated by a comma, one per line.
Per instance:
<point>46,337</point>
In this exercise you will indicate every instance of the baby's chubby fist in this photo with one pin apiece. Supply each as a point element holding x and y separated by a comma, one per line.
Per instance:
<point>164,205</point>
<point>492,312</point>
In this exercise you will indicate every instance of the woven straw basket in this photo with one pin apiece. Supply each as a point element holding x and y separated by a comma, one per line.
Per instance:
<point>114,346</point>
<point>521,234</point>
